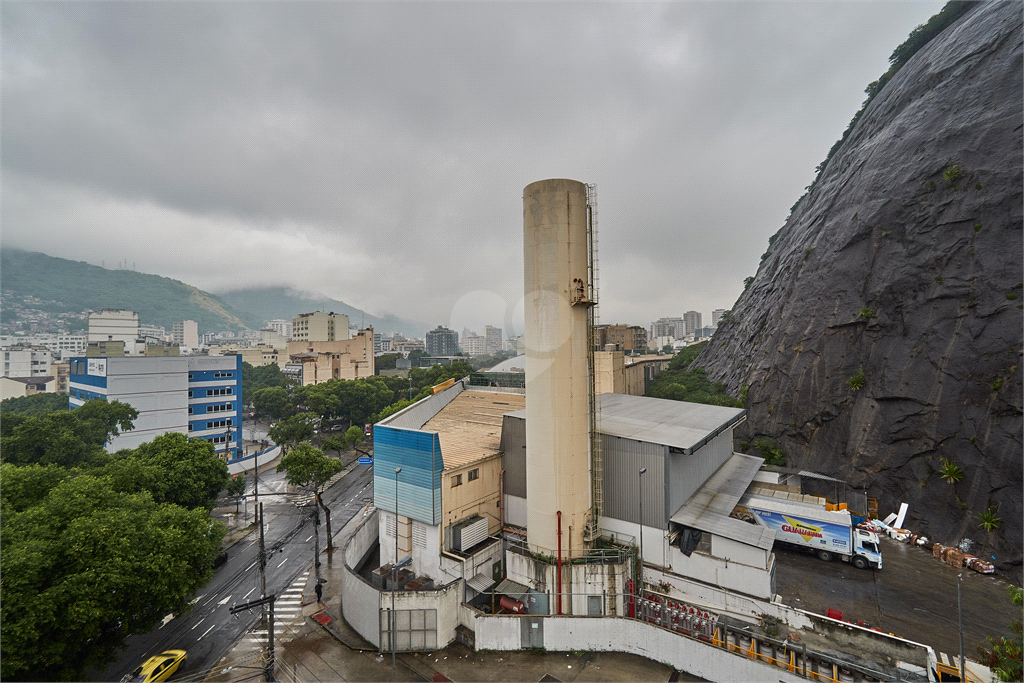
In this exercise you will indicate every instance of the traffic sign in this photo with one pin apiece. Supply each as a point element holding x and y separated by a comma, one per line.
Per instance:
<point>365,461</point>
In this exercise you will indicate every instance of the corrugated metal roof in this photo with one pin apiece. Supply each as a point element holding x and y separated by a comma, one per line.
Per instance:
<point>709,508</point>
<point>480,582</point>
<point>419,413</point>
<point>516,591</point>
<point>802,473</point>
<point>678,424</point>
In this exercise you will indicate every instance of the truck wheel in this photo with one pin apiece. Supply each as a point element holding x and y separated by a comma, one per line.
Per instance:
<point>824,556</point>
<point>860,562</point>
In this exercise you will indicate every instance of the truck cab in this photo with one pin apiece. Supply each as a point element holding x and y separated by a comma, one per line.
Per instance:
<point>866,552</point>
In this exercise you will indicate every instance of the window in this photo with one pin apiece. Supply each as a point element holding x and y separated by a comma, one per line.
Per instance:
<point>190,375</point>
<point>221,374</point>
<point>190,393</point>
<point>190,410</point>
<point>190,426</point>
<point>219,392</point>
<point>456,480</point>
<point>473,475</point>
<point>704,546</point>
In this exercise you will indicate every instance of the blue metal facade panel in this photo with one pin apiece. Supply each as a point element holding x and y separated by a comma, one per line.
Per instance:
<point>419,484</point>
<point>198,416</point>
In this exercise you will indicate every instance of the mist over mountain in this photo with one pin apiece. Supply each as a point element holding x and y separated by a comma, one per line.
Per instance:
<point>281,302</point>
<point>77,286</point>
<point>881,339</point>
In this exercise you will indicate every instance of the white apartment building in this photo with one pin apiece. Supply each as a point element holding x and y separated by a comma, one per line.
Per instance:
<point>493,339</point>
<point>27,361</point>
<point>112,324</point>
<point>282,327</point>
<point>186,333</point>
<point>472,343</point>
<point>716,315</point>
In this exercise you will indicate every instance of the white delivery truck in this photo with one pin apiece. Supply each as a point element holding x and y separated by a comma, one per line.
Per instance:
<point>827,533</point>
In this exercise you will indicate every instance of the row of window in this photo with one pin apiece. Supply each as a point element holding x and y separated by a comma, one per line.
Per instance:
<point>216,374</point>
<point>472,475</point>
<point>229,391</point>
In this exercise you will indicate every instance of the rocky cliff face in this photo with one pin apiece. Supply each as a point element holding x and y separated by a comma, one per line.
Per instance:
<point>882,334</point>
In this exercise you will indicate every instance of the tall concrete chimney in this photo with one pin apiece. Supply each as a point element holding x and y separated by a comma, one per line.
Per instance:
<point>557,401</point>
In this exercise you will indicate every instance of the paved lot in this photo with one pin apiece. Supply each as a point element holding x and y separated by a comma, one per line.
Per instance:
<point>913,596</point>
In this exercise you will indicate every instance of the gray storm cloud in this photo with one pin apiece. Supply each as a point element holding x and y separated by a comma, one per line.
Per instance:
<point>377,152</point>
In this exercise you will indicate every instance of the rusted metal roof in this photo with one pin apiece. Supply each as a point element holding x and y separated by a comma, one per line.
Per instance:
<point>469,427</point>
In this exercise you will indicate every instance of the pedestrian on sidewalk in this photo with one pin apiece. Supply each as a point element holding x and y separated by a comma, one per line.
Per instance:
<point>319,588</point>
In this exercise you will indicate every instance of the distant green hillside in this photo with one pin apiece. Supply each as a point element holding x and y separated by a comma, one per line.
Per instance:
<point>79,285</point>
<point>281,303</point>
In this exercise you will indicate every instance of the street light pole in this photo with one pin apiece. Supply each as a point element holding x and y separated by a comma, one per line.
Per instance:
<point>960,620</point>
<point>640,489</point>
<point>394,580</point>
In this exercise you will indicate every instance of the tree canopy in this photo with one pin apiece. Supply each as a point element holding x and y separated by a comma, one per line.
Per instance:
<point>83,566</point>
<point>679,383</point>
<point>274,402</point>
<point>65,438</point>
<point>296,428</point>
<point>43,402</point>
<point>308,467</point>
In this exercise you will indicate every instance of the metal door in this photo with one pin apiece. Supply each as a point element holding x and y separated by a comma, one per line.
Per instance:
<point>595,605</point>
<point>532,632</point>
<point>537,603</point>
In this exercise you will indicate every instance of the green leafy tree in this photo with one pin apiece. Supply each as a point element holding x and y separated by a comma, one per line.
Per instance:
<point>296,428</point>
<point>1005,656</point>
<point>274,402</point>
<point>89,566</point>
<point>236,488</point>
<point>35,404</point>
<point>354,436</point>
<point>262,377</point>
<point>66,438</point>
<point>770,451</point>
<point>335,443</point>
<point>678,382</point>
<point>23,487</point>
<point>309,468</point>
<point>385,361</point>
<point>414,356</point>
<point>174,469</point>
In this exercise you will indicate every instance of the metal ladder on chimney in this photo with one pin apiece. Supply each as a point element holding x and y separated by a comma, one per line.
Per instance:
<point>593,529</point>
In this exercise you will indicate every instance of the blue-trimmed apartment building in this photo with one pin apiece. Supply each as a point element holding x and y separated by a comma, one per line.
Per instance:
<point>199,396</point>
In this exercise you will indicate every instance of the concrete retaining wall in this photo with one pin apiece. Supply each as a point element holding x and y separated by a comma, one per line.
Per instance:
<point>248,463</point>
<point>445,600</point>
<point>361,602</point>
<point>610,634</point>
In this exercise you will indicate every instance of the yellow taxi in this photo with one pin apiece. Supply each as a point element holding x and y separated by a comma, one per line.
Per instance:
<point>158,668</point>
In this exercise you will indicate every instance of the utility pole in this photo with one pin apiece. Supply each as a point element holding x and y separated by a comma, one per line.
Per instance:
<point>263,563</point>
<point>316,539</point>
<point>960,619</point>
<point>265,601</point>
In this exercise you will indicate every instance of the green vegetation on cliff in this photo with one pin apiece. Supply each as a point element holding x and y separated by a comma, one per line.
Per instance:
<point>678,383</point>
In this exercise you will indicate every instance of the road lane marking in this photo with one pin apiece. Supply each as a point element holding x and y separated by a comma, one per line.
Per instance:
<point>307,540</point>
<point>282,563</point>
<point>166,619</point>
<point>249,593</point>
<point>207,631</point>
<point>197,624</point>
<point>224,601</point>
<point>250,566</point>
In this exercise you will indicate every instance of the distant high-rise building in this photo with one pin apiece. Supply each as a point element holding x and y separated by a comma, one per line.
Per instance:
<point>320,327</point>
<point>668,327</point>
<point>153,332</point>
<point>442,342</point>
<point>26,361</point>
<point>112,324</point>
<point>472,343</point>
<point>186,333</point>
<point>282,327</point>
<point>716,315</point>
<point>493,337</point>
<point>692,320</point>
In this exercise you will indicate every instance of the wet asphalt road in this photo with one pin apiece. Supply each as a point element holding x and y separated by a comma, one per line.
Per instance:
<point>913,596</point>
<point>208,629</point>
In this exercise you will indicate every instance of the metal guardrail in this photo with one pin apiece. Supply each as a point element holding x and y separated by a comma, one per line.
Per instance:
<point>573,556</point>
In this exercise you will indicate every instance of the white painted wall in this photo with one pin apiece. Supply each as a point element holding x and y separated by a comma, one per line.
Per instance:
<point>361,602</point>
<point>515,510</point>
<point>728,574</point>
<point>445,600</point>
<point>610,634</point>
<point>739,552</point>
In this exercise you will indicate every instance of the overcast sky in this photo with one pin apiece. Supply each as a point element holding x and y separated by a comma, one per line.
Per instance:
<point>376,153</point>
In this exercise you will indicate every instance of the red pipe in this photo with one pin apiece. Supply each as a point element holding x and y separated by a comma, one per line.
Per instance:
<point>559,561</point>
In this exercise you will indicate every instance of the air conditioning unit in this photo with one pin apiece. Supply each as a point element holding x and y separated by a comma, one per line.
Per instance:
<point>468,532</point>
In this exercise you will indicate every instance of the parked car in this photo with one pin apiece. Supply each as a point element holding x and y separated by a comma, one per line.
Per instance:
<point>158,668</point>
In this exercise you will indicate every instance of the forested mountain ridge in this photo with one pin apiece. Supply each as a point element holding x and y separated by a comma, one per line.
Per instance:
<point>79,285</point>
<point>881,338</point>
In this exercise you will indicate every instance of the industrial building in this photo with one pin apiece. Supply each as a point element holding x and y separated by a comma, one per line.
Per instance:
<point>510,517</point>
<point>199,396</point>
